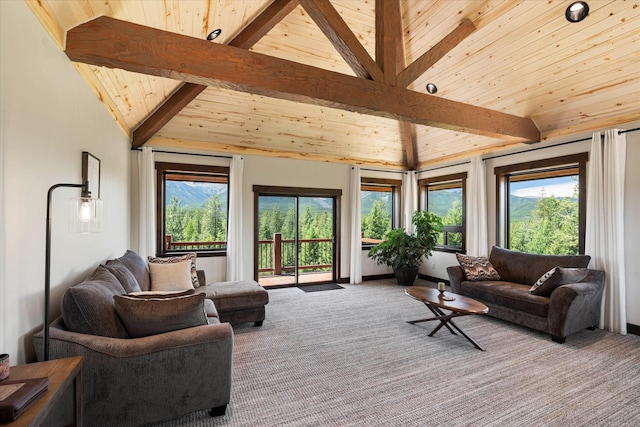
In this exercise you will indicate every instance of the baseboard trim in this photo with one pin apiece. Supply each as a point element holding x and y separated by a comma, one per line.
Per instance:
<point>433,279</point>
<point>633,329</point>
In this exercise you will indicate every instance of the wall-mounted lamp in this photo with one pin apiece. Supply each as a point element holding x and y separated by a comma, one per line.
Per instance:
<point>577,11</point>
<point>85,216</point>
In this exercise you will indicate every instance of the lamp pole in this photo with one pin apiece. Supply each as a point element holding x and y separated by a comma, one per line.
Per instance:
<point>47,262</point>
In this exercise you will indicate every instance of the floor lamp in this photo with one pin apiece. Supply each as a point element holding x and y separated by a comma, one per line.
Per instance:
<point>85,216</point>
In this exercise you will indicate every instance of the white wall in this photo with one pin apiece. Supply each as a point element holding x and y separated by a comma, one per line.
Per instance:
<point>48,117</point>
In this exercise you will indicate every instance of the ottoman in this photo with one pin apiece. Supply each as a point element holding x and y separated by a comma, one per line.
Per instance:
<point>238,301</point>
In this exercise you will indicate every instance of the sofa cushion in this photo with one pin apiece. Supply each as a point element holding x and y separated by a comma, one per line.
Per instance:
<point>477,268</point>
<point>546,283</point>
<point>137,265</point>
<point>525,268</point>
<point>88,307</point>
<point>124,275</point>
<point>167,261</point>
<point>235,294</point>
<point>507,294</point>
<point>150,316</point>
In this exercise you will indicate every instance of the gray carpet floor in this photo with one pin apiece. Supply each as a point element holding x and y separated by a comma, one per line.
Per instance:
<point>348,358</point>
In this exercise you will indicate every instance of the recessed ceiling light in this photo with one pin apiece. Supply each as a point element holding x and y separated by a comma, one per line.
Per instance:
<point>214,34</point>
<point>431,88</point>
<point>577,11</point>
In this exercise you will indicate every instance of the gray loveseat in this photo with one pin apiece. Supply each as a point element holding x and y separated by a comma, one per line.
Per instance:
<point>572,306</point>
<point>133,380</point>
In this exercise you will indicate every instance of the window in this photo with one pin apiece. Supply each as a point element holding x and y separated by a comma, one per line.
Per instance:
<point>541,205</point>
<point>192,208</point>
<point>445,197</point>
<point>380,209</point>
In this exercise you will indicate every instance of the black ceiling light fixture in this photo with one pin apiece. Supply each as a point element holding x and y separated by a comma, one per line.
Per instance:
<point>577,11</point>
<point>214,34</point>
<point>432,88</point>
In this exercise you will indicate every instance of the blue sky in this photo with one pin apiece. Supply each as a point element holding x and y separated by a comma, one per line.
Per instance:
<point>558,187</point>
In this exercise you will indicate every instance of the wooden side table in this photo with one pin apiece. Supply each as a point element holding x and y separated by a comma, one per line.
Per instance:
<point>62,373</point>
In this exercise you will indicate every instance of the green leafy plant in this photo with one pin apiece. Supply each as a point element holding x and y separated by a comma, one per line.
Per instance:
<point>402,250</point>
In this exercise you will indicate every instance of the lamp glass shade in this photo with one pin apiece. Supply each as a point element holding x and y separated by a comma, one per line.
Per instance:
<point>85,215</point>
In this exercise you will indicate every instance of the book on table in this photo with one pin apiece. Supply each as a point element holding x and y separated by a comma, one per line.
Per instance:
<point>16,396</point>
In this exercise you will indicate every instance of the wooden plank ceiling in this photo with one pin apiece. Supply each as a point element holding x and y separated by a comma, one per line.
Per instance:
<point>507,72</point>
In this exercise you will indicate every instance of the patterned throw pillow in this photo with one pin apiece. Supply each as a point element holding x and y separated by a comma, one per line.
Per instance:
<point>191,257</point>
<point>477,268</point>
<point>546,283</point>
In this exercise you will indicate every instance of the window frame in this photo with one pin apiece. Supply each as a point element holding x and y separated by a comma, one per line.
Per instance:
<point>424,184</point>
<point>552,167</point>
<point>396,201</point>
<point>162,170</point>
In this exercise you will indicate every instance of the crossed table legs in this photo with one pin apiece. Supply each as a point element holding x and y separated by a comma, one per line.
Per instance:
<point>433,301</point>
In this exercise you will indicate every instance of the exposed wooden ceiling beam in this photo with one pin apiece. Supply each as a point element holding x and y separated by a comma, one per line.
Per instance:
<point>390,56</point>
<point>113,43</point>
<point>389,44</point>
<point>342,38</point>
<point>186,93</point>
<point>433,55</point>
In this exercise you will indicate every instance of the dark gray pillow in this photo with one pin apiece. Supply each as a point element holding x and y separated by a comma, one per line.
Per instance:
<point>556,277</point>
<point>124,275</point>
<point>88,307</point>
<point>160,294</point>
<point>138,266</point>
<point>143,317</point>
<point>546,283</point>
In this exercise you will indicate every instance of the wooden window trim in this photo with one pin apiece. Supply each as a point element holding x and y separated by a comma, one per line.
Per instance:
<point>182,171</point>
<point>562,163</point>
<point>443,182</point>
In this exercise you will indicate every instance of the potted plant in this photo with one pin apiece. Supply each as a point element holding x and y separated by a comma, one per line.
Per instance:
<point>403,251</point>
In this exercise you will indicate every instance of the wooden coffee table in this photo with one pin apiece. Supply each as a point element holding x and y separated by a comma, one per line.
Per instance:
<point>460,306</point>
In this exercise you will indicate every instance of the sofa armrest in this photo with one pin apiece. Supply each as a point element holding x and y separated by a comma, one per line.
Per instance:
<point>456,276</point>
<point>131,347</point>
<point>202,278</point>
<point>575,306</point>
<point>135,381</point>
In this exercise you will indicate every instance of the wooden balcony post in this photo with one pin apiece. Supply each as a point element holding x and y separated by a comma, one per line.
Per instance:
<point>277,254</point>
<point>168,240</point>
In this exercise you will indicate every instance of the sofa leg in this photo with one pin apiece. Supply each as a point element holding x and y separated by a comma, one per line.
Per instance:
<point>218,411</point>
<point>592,328</point>
<point>258,323</point>
<point>557,339</point>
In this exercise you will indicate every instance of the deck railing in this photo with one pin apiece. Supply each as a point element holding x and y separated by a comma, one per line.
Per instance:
<point>277,256</point>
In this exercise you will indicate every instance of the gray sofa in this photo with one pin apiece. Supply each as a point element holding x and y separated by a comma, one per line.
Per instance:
<point>150,376</point>
<point>572,306</point>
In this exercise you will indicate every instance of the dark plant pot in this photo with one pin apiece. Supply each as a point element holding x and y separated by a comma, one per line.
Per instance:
<point>406,276</point>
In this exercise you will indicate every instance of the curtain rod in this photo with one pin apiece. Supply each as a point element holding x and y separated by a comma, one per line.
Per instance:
<point>187,154</point>
<point>620,132</point>
<point>380,170</point>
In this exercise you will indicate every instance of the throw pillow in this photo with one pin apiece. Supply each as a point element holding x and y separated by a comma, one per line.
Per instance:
<point>160,294</point>
<point>88,307</point>
<point>171,277</point>
<point>477,268</point>
<point>546,283</point>
<point>150,316</point>
<point>124,275</point>
<point>191,256</point>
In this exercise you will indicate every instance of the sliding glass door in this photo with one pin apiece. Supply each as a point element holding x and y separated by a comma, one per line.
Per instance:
<point>296,233</point>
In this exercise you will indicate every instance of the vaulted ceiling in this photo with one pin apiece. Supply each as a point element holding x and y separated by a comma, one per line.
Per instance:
<point>344,80</point>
